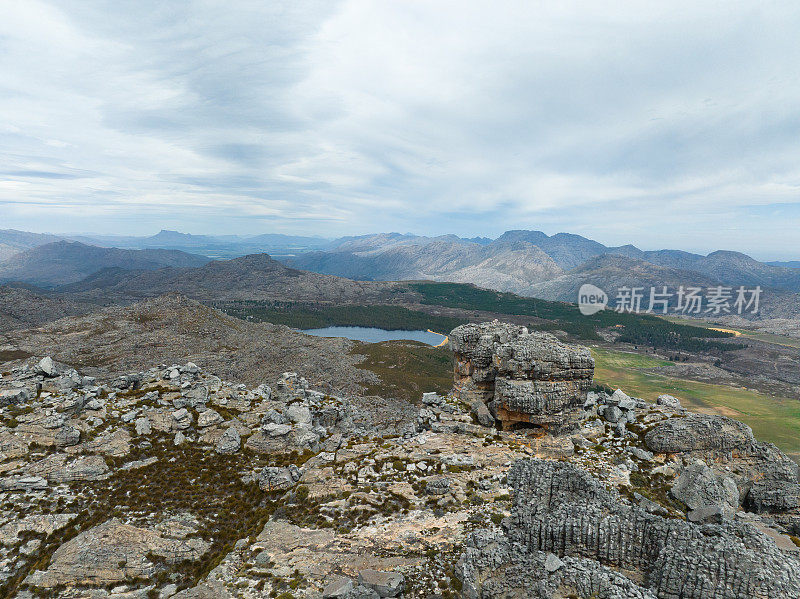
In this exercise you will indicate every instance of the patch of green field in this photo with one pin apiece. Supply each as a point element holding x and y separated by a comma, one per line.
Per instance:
<point>773,419</point>
<point>765,337</point>
<point>407,369</point>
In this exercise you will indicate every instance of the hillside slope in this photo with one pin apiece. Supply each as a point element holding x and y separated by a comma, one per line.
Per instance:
<point>65,262</point>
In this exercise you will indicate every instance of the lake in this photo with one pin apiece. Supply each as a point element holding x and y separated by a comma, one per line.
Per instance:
<point>374,335</point>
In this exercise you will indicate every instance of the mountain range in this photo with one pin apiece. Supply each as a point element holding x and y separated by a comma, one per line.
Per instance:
<point>529,263</point>
<point>63,262</point>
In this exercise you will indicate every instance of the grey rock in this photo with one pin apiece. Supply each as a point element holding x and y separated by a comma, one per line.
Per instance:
<point>273,416</point>
<point>275,478</point>
<point>338,587</point>
<point>14,396</point>
<point>669,401</point>
<point>561,509</point>
<point>277,430</point>
<point>552,563</point>
<point>613,414</point>
<point>699,432</point>
<point>179,439</point>
<point>438,486</point>
<point>361,592</point>
<point>230,442</point>
<point>47,367</point>
<point>431,399</point>
<point>181,419</point>
<point>298,414</point>
<point>143,426</point>
<point>209,418</point>
<point>700,488</point>
<point>482,413</point>
<point>386,584</point>
<point>67,436</point>
<point>23,483</point>
<point>522,377</point>
<point>641,454</point>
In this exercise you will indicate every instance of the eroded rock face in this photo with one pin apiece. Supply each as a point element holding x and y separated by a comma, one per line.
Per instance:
<point>522,377</point>
<point>561,509</point>
<point>699,432</point>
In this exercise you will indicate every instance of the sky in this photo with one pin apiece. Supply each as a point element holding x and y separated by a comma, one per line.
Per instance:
<point>662,124</point>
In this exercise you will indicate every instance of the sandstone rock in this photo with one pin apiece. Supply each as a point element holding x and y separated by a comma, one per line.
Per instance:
<point>361,592</point>
<point>699,432</point>
<point>386,584</point>
<point>524,378</point>
<point>22,483</point>
<point>230,442</point>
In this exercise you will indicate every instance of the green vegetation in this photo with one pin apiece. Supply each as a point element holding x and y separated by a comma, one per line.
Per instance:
<point>636,329</point>
<point>758,335</point>
<point>407,368</point>
<point>313,316</point>
<point>772,419</point>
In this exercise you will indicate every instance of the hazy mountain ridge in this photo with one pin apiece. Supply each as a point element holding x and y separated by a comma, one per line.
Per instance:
<point>256,276</point>
<point>64,262</point>
<point>507,266</point>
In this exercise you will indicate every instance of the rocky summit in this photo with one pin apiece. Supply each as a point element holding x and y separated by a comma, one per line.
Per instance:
<point>524,378</point>
<point>524,481</point>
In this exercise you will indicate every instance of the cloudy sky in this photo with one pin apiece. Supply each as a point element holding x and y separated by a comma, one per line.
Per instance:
<point>664,124</point>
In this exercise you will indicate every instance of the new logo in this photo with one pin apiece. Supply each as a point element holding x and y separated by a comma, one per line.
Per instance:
<point>591,299</point>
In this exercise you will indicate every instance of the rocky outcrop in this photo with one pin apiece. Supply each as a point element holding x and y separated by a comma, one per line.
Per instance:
<point>113,552</point>
<point>699,432</point>
<point>524,378</point>
<point>561,509</point>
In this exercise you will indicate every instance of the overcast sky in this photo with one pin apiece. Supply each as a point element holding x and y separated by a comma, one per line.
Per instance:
<point>663,124</point>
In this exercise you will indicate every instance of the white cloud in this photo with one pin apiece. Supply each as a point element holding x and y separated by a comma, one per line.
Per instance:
<point>356,116</point>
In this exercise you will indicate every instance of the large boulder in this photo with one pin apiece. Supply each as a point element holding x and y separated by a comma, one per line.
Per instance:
<point>524,378</point>
<point>699,432</point>
<point>709,496</point>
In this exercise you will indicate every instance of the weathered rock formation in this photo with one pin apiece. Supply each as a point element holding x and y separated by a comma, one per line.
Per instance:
<point>523,377</point>
<point>563,510</point>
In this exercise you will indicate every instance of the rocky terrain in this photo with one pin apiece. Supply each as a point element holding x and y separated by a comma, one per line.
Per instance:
<point>173,481</point>
<point>22,308</point>
<point>119,339</point>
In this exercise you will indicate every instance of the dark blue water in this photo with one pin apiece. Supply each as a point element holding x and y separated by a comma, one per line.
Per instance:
<point>374,335</point>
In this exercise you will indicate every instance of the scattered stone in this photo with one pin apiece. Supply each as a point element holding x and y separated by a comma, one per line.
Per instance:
<point>209,418</point>
<point>143,426</point>
<point>482,413</point>
<point>698,432</point>
<point>230,442</point>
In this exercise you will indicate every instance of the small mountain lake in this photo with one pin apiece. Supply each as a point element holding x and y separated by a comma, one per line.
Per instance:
<point>375,335</point>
